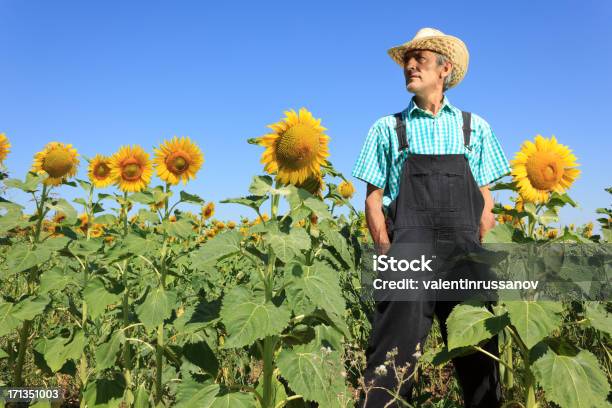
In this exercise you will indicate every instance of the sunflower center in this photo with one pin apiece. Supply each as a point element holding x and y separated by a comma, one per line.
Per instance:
<point>102,170</point>
<point>297,147</point>
<point>544,170</point>
<point>57,163</point>
<point>131,170</point>
<point>178,162</point>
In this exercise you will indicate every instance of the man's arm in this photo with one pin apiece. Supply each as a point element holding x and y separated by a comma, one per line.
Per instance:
<point>487,220</point>
<point>376,218</point>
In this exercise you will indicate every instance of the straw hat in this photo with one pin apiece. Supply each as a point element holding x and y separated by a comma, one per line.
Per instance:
<point>435,40</point>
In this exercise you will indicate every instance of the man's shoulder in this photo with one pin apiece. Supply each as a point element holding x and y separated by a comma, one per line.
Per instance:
<point>478,122</point>
<point>384,123</point>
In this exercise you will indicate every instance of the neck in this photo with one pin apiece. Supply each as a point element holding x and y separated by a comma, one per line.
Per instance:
<point>431,102</point>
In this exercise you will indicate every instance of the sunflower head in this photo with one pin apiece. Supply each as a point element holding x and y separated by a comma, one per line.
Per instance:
<point>519,204</point>
<point>96,231</point>
<point>59,217</point>
<point>208,210</point>
<point>131,168</point>
<point>264,218</point>
<point>541,167</point>
<point>231,225</point>
<point>552,233</point>
<point>504,218</point>
<point>84,219</point>
<point>313,184</point>
<point>58,161</point>
<point>587,232</point>
<point>5,147</point>
<point>99,171</point>
<point>160,205</point>
<point>177,160</point>
<point>346,189</point>
<point>296,148</point>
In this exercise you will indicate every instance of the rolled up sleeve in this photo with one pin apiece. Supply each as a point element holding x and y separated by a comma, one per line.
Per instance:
<point>372,165</point>
<point>492,163</point>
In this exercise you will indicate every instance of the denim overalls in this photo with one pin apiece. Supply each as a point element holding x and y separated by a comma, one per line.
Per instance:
<point>438,204</point>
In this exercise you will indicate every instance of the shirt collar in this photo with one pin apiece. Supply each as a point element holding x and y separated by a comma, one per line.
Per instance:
<point>414,108</point>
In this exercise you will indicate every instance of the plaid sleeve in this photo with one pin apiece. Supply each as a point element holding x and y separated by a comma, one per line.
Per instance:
<point>372,166</point>
<point>492,163</point>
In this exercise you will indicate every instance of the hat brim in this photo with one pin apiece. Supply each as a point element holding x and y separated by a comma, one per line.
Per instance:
<point>452,47</point>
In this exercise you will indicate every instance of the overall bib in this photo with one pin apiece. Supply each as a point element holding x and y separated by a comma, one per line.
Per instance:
<point>439,204</point>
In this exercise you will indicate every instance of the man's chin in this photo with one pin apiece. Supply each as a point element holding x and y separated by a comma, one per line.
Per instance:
<point>411,88</point>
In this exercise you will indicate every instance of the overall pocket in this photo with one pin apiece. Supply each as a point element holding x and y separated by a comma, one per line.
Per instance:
<point>443,191</point>
<point>421,187</point>
<point>452,190</point>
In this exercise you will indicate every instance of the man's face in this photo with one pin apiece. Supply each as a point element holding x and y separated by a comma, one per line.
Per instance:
<point>422,72</point>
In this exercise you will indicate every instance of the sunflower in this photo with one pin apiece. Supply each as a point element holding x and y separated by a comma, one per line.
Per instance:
<point>99,171</point>
<point>587,232</point>
<point>96,231</point>
<point>160,205</point>
<point>57,160</point>
<point>504,218</point>
<point>231,225</point>
<point>84,219</point>
<point>59,217</point>
<point>5,147</point>
<point>519,204</point>
<point>131,168</point>
<point>177,159</point>
<point>541,167</point>
<point>208,210</point>
<point>264,217</point>
<point>313,184</point>
<point>552,233</point>
<point>346,189</point>
<point>296,148</point>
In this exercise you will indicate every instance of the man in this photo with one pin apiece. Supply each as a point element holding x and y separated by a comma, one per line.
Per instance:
<point>427,175</point>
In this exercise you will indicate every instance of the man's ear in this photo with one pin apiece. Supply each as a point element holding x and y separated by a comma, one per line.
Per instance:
<point>446,69</point>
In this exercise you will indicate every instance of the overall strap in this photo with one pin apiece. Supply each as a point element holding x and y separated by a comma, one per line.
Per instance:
<point>400,129</point>
<point>467,130</point>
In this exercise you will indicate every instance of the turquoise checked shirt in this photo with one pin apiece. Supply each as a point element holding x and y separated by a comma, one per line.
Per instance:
<point>380,162</point>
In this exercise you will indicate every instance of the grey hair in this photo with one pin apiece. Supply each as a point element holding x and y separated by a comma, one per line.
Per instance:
<point>441,60</point>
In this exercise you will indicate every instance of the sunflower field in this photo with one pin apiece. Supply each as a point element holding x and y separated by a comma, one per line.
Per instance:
<point>134,294</point>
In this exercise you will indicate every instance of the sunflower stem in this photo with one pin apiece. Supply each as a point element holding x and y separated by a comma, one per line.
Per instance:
<point>24,333</point>
<point>89,210</point>
<point>159,347</point>
<point>166,201</point>
<point>270,341</point>
<point>127,351</point>
<point>40,213</point>
<point>124,211</point>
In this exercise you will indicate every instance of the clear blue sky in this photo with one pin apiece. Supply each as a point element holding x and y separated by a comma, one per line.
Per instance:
<point>106,73</point>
